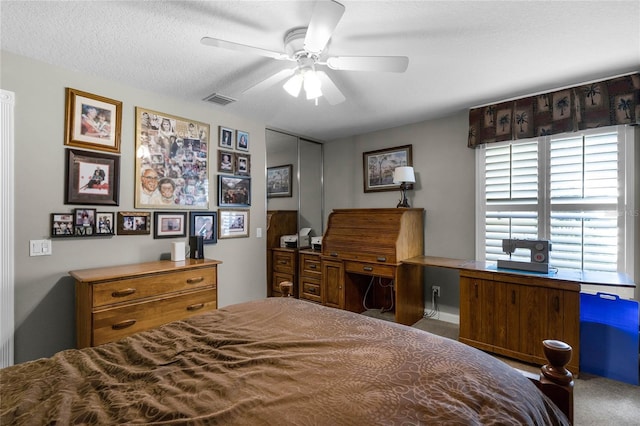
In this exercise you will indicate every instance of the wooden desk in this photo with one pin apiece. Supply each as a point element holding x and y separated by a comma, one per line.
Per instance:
<point>509,312</point>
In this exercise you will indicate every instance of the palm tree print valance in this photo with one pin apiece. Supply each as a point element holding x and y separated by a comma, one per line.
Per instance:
<point>604,103</point>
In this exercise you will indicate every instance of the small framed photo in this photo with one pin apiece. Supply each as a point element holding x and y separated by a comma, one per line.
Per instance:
<point>92,121</point>
<point>62,225</point>
<point>105,224</point>
<point>378,167</point>
<point>242,141</point>
<point>204,224</point>
<point>226,138</point>
<point>279,181</point>
<point>84,222</point>
<point>226,161</point>
<point>243,164</point>
<point>134,223</point>
<point>91,178</point>
<point>233,223</point>
<point>169,224</point>
<point>234,191</point>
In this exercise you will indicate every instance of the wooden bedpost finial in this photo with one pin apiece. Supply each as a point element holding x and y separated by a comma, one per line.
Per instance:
<point>559,354</point>
<point>286,288</point>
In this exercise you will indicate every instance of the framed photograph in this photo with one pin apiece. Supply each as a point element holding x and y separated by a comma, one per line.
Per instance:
<point>92,121</point>
<point>233,223</point>
<point>234,191</point>
<point>226,161</point>
<point>84,222</point>
<point>243,164</point>
<point>242,141</point>
<point>91,178</point>
<point>172,162</point>
<point>226,138</point>
<point>204,224</point>
<point>378,167</point>
<point>62,225</point>
<point>279,181</point>
<point>169,224</point>
<point>134,223</point>
<point>105,223</point>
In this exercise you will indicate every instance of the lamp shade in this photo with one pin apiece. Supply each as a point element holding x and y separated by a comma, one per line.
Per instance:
<point>403,174</point>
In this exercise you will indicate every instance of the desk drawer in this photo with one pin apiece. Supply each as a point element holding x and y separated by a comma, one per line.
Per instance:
<point>116,323</point>
<point>284,262</point>
<point>130,289</point>
<point>311,264</point>
<point>370,269</point>
<point>310,289</point>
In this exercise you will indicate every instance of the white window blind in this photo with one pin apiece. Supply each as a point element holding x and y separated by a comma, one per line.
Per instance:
<point>567,189</point>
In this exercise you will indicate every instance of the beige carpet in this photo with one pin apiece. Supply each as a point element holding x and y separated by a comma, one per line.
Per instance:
<point>597,400</point>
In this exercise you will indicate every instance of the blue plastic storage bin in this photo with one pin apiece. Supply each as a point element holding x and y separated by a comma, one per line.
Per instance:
<point>609,337</point>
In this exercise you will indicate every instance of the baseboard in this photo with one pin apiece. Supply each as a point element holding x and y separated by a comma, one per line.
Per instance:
<point>445,316</point>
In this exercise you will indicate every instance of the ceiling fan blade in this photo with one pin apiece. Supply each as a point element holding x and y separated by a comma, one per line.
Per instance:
<point>329,90</point>
<point>324,20</point>
<point>243,48</point>
<point>369,63</point>
<point>270,81</point>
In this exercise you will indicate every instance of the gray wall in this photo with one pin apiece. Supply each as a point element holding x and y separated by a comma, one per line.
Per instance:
<point>44,292</point>
<point>445,188</point>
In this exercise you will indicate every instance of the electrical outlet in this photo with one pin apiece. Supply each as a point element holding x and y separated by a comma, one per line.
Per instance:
<point>436,290</point>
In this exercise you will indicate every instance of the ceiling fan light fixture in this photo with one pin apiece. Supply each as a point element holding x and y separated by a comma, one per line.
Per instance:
<point>312,85</point>
<point>293,85</point>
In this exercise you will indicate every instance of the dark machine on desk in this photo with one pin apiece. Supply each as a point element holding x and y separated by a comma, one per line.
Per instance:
<point>539,255</point>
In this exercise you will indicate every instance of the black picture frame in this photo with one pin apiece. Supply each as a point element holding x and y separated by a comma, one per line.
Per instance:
<point>279,181</point>
<point>105,223</point>
<point>169,224</point>
<point>91,178</point>
<point>62,225</point>
<point>84,222</point>
<point>234,191</point>
<point>204,224</point>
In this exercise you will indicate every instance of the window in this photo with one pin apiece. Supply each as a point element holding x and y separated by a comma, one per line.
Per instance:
<point>575,190</point>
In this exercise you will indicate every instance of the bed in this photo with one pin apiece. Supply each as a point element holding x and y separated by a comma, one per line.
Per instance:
<point>276,361</point>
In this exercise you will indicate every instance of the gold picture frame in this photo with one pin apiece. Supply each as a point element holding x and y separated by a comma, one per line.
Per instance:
<point>92,121</point>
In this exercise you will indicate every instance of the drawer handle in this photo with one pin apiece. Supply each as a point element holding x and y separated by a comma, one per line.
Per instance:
<point>334,254</point>
<point>367,268</point>
<point>382,259</point>
<point>311,290</point>
<point>123,293</point>
<point>312,266</point>
<point>282,262</point>
<point>195,307</point>
<point>123,324</point>
<point>195,280</point>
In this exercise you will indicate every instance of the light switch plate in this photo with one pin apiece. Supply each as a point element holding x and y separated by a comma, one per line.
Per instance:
<point>40,248</point>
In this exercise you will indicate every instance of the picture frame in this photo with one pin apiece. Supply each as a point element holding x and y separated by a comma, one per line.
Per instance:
<point>105,223</point>
<point>234,191</point>
<point>172,162</point>
<point>84,222</point>
<point>226,161</point>
<point>169,224</point>
<point>62,225</point>
<point>242,140</point>
<point>242,164</point>
<point>378,167</point>
<point>92,121</point>
<point>204,224</point>
<point>233,223</point>
<point>91,178</point>
<point>134,223</point>
<point>279,181</point>
<point>225,137</point>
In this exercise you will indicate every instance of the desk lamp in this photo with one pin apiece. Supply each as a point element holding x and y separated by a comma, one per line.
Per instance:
<point>405,177</point>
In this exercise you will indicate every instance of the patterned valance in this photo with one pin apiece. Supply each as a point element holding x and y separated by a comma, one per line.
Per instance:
<point>604,103</point>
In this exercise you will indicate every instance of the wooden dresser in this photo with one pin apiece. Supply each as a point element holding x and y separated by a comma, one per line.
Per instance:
<point>114,302</point>
<point>366,247</point>
<point>310,276</point>
<point>279,223</point>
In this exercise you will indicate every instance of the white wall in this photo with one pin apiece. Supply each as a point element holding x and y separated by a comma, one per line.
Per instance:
<point>445,188</point>
<point>44,292</point>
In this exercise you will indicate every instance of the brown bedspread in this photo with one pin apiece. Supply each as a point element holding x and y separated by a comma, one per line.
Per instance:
<point>277,361</point>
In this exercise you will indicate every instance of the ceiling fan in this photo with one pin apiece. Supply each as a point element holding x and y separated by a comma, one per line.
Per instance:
<point>306,46</point>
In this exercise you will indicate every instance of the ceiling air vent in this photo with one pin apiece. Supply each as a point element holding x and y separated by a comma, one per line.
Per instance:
<point>217,98</point>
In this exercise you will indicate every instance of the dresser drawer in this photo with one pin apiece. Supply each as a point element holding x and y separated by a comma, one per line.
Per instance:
<point>310,264</point>
<point>278,277</point>
<point>130,289</point>
<point>116,323</point>
<point>284,261</point>
<point>370,269</point>
<point>310,289</point>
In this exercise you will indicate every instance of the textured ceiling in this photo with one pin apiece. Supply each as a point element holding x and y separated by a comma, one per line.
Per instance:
<point>461,53</point>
